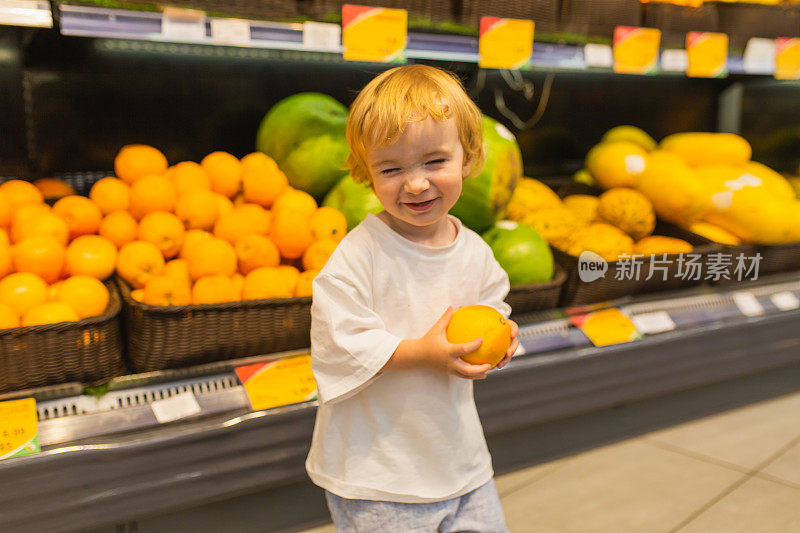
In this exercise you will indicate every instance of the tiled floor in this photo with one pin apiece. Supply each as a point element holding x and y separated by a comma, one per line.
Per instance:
<point>737,471</point>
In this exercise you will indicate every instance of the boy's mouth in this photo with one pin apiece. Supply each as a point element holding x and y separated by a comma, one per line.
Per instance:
<point>420,206</point>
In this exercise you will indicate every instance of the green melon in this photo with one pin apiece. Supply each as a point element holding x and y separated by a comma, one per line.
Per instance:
<point>305,135</point>
<point>485,196</point>
<point>354,200</point>
<point>521,251</point>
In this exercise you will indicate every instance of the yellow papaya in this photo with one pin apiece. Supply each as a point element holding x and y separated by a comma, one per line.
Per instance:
<point>629,210</point>
<point>583,206</point>
<point>659,245</point>
<point>608,241</point>
<point>701,148</point>
<point>632,134</point>
<point>554,224</point>
<point>754,215</point>
<point>530,195</point>
<point>677,193</point>
<point>771,180</point>
<point>714,233</point>
<point>615,164</point>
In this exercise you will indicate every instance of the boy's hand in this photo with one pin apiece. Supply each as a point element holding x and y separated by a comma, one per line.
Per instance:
<point>440,354</point>
<point>513,347</point>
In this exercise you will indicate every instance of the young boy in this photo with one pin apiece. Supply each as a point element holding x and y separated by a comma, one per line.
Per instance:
<point>397,444</point>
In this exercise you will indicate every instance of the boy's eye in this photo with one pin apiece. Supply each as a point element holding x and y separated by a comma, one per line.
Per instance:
<point>436,161</point>
<point>389,171</point>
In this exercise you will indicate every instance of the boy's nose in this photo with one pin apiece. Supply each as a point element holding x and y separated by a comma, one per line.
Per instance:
<point>417,183</point>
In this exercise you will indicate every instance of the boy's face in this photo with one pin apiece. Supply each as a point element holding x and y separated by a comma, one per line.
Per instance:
<point>418,178</point>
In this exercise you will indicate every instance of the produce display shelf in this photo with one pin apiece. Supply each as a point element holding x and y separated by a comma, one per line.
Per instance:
<point>88,21</point>
<point>101,466</point>
<point>33,13</point>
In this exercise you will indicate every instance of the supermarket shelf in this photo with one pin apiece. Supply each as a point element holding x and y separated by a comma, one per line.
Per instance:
<point>228,449</point>
<point>87,21</point>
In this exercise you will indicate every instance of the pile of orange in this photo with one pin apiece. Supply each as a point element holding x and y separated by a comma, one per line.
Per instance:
<point>222,230</point>
<point>52,262</point>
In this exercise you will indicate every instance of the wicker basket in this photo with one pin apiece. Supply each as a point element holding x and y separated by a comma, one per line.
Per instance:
<point>86,351</point>
<point>537,296</point>
<point>676,21</point>
<point>545,14</point>
<point>598,18</point>
<point>170,337</point>
<point>743,21</point>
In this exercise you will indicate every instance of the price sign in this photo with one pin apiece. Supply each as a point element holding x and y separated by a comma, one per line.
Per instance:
<point>598,55</point>
<point>230,31</point>
<point>179,406</point>
<point>708,54</point>
<point>19,434</point>
<point>787,59</point>
<point>279,382</point>
<point>759,56</point>
<point>322,36</point>
<point>505,43</point>
<point>674,60</point>
<point>374,33</point>
<point>636,50</point>
<point>183,24</point>
<point>748,304</point>
<point>652,323</point>
<point>609,326</point>
<point>785,301</point>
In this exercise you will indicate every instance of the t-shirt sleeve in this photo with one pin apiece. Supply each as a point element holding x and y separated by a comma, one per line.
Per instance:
<point>495,283</point>
<point>349,341</point>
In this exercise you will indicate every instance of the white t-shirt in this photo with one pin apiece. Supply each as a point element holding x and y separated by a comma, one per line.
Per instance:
<point>406,436</point>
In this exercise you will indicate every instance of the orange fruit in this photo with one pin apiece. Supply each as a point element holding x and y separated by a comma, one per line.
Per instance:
<point>317,254</point>
<point>233,226</point>
<point>54,187</point>
<point>91,255</point>
<point>304,283</point>
<point>137,160</point>
<point>111,194</point>
<point>268,282</point>
<point>152,193</point>
<point>291,233</point>
<point>4,240</point>
<point>327,222</point>
<point>8,317</point>
<point>6,262</point>
<point>238,200</point>
<point>166,290</point>
<point>214,290</point>
<point>49,313</point>
<point>198,209</point>
<point>178,269</point>
<point>44,225</point>
<point>238,284</point>
<point>188,176</point>
<point>119,227</point>
<point>256,251</point>
<point>138,261</point>
<point>6,210</point>
<point>225,204</point>
<point>211,257</point>
<point>22,291</point>
<point>43,256</point>
<point>193,236</point>
<point>262,180</point>
<point>165,230</point>
<point>82,216</point>
<point>23,215</point>
<point>473,321</point>
<point>52,291</point>
<point>20,192</point>
<point>259,217</point>
<point>86,295</point>
<point>225,172</point>
<point>295,200</point>
<point>138,295</point>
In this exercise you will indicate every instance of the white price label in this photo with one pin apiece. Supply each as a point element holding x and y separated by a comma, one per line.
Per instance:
<point>759,56</point>
<point>520,350</point>
<point>26,13</point>
<point>674,60</point>
<point>322,36</point>
<point>598,55</point>
<point>785,301</point>
<point>183,24</point>
<point>180,406</point>
<point>748,304</point>
<point>656,322</point>
<point>230,31</point>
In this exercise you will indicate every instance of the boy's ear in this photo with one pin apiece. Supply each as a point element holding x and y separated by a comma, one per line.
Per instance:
<point>466,167</point>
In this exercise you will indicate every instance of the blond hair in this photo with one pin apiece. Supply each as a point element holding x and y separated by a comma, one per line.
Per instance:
<point>408,94</point>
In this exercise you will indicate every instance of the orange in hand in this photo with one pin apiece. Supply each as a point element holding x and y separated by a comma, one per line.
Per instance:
<point>473,321</point>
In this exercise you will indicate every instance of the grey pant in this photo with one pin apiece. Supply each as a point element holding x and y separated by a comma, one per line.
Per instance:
<point>478,511</point>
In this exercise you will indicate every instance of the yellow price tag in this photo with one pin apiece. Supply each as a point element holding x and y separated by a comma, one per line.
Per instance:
<point>707,54</point>
<point>636,50</point>
<point>505,43</point>
<point>787,58</point>
<point>19,433</point>
<point>606,327</point>
<point>278,383</point>
<point>374,33</point>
